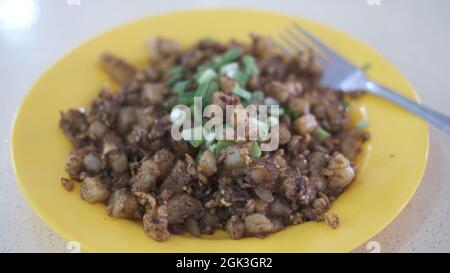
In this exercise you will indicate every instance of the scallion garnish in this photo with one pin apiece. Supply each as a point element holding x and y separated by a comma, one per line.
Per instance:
<point>244,94</point>
<point>213,86</point>
<point>231,55</point>
<point>222,144</point>
<point>255,151</point>
<point>176,74</point>
<point>172,80</point>
<point>205,90</point>
<point>250,67</point>
<point>207,76</point>
<point>241,78</point>
<point>198,156</point>
<point>196,143</point>
<point>202,89</point>
<point>200,70</point>
<point>289,112</point>
<point>229,70</point>
<point>181,87</point>
<point>322,134</point>
<point>186,98</point>
<point>216,62</point>
<point>213,147</point>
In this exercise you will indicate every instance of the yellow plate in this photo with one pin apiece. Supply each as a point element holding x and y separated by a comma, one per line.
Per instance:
<point>390,168</point>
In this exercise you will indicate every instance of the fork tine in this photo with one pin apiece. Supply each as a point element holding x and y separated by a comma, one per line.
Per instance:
<point>316,41</point>
<point>320,55</point>
<point>297,38</point>
<point>284,49</point>
<point>289,42</point>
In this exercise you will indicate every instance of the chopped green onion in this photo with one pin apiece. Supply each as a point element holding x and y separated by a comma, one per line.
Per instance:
<point>222,144</point>
<point>175,75</point>
<point>230,70</point>
<point>198,156</point>
<point>289,112</point>
<point>202,89</point>
<point>212,147</point>
<point>196,143</point>
<point>207,76</point>
<point>213,86</point>
<point>363,124</point>
<point>322,134</point>
<point>216,62</point>
<point>172,80</point>
<point>250,67</point>
<point>205,90</point>
<point>247,96</point>
<point>186,98</point>
<point>200,70</point>
<point>231,55</point>
<point>241,78</point>
<point>345,103</point>
<point>255,151</point>
<point>181,87</point>
<point>365,67</point>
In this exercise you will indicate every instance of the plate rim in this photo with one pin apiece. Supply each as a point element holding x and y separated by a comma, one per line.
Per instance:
<point>55,227</point>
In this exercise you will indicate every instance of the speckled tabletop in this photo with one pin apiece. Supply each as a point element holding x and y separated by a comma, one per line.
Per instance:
<point>412,34</point>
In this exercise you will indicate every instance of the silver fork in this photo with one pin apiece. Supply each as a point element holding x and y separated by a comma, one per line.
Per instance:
<point>340,74</point>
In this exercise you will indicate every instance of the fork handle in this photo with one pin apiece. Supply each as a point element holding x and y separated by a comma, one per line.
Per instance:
<point>436,119</point>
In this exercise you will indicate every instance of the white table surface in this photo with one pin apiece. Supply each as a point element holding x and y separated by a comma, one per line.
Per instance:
<point>413,34</point>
